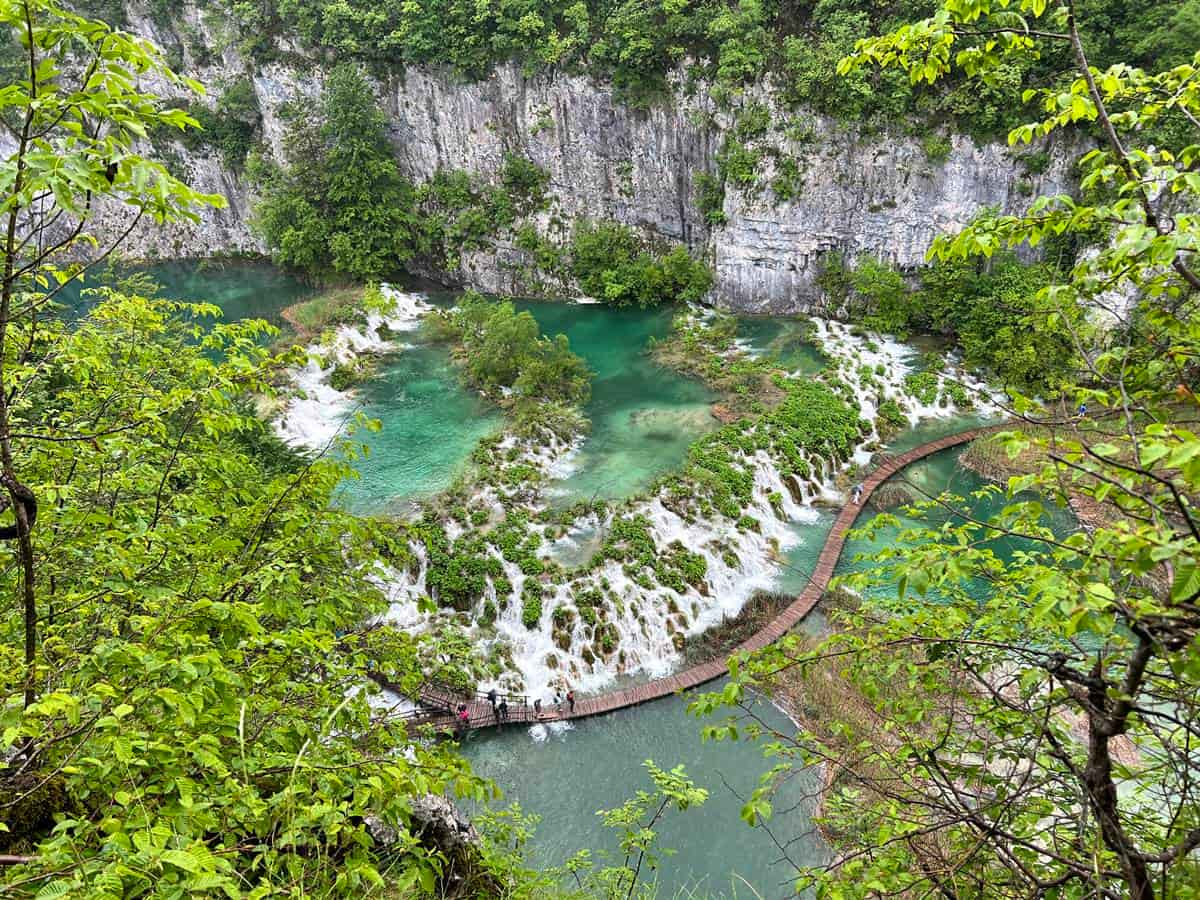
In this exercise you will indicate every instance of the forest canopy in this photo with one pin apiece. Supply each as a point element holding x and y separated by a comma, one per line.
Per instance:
<point>636,44</point>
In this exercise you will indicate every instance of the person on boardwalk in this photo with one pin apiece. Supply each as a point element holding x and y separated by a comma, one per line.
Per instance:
<point>571,700</point>
<point>491,695</point>
<point>502,711</point>
<point>856,494</point>
<point>537,707</point>
<point>464,719</point>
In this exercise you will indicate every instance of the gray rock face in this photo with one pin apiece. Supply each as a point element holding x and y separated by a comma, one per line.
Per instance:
<point>883,199</point>
<point>438,822</point>
<point>877,195</point>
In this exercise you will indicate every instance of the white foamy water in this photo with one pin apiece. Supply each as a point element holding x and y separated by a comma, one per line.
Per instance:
<point>315,412</point>
<point>650,621</point>
<point>646,619</point>
<point>543,732</point>
<point>875,366</point>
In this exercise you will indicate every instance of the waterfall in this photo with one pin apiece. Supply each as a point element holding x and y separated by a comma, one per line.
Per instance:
<point>648,620</point>
<point>315,413</point>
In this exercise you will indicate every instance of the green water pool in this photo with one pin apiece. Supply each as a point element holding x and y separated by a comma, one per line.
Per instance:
<point>782,339</point>
<point>567,775</point>
<point>643,416</point>
<point>243,289</point>
<point>430,425</point>
<point>929,478</point>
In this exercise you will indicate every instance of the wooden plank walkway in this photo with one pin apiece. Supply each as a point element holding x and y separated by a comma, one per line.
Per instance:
<point>481,714</point>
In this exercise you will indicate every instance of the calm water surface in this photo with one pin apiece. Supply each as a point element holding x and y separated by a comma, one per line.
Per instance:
<point>643,416</point>
<point>567,776</point>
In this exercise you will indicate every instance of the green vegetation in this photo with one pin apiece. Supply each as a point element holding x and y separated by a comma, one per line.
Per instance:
<point>738,163</point>
<point>796,421</point>
<point>186,634</point>
<point>636,45</point>
<point>340,208</point>
<point>459,215</point>
<point>995,310</point>
<point>231,127</point>
<point>531,605</point>
<point>710,198</point>
<point>457,573</point>
<point>612,263</point>
<point>504,351</point>
<point>1007,688</point>
<point>334,306</point>
<point>340,204</point>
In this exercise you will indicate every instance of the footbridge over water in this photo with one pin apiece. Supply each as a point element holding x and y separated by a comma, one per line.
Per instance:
<point>439,705</point>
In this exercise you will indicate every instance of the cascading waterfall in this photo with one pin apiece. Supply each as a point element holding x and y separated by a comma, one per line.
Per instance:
<point>648,621</point>
<point>317,412</point>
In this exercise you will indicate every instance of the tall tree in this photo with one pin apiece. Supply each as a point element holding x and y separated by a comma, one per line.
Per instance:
<point>75,115</point>
<point>339,205</point>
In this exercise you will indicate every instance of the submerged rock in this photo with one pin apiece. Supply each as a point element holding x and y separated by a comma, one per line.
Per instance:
<point>724,413</point>
<point>892,495</point>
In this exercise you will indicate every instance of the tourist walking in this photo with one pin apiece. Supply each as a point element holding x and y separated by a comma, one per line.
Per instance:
<point>571,700</point>
<point>491,695</point>
<point>502,714</point>
<point>537,707</point>
<point>857,493</point>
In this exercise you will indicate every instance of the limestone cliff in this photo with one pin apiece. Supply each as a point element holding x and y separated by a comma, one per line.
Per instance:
<point>856,194</point>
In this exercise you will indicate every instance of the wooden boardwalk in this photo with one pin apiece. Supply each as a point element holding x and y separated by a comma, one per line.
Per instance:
<point>480,709</point>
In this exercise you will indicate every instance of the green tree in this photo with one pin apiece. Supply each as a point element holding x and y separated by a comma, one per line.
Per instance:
<point>636,821</point>
<point>339,205</point>
<point>1029,715</point>
<point>610,262</point>
<point>186,632</point>
<point>881,296</point>
<point>505,351</point>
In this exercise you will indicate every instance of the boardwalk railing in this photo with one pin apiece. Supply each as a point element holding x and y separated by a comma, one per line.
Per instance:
<point>439,700</point>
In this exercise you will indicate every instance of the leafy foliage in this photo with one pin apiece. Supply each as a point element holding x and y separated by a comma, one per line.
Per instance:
<point>504,350</point>
<point>197,692</point>
<point>612,263</point>
<point>340,204</point>
<point>995,311</point>
<point>186,635</point>
<point>458,214</point>
<point>636,45</point>
<point>1024,691</point>
<point>231,127</point>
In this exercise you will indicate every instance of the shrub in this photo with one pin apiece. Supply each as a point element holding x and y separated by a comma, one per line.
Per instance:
<point>505,350</point>
<point>922,386</point>
<point>231,126</point>
<point>710,198</point>
<point>937,148</point>
<point>531,606</point>
<point>612,263</point>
